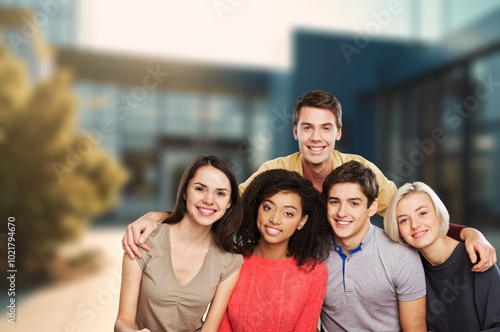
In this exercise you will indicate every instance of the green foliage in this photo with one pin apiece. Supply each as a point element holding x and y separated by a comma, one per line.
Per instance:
<point>52,192</point>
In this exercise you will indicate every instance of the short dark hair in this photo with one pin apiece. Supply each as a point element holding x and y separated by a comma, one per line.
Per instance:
<point>310,244</point>
<point>318,99</point>
<point>353,172</point>
<point>224,228</point>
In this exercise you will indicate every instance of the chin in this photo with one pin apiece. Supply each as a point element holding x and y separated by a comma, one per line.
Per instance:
<point>316,161</point>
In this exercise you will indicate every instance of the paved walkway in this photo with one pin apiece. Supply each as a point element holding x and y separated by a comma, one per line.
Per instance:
<point>89,304</point>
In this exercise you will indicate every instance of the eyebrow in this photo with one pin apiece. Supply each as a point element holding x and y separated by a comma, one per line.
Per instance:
<point>205,186</point>
<point>419,208</point>
<point>322,124</point>
<point>286,206</point>
<point>357,199</point>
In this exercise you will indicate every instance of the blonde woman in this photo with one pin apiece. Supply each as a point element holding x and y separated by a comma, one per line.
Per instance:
<point>457,298</point>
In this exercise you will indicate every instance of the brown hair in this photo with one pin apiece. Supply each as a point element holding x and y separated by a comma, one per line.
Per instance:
<point>318,99</point>
<point>224,228</point>
<point>353,172</point>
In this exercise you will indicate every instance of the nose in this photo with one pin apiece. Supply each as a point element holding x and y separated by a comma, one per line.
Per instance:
<point>275,219</point>
<point>208,198</point>
<point>315,135</point>
<point>415,223</point>
<point>341,212</point>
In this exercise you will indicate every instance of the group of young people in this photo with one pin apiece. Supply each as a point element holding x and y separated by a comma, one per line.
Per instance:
<point>299,245</point>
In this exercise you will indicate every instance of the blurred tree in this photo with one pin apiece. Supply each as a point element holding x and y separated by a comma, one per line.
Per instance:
<point>53,179</point>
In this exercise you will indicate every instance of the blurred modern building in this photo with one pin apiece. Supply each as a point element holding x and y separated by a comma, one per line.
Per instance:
<point>419,110</point>
<point>154,115</point>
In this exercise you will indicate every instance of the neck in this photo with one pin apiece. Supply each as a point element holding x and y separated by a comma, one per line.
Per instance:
<point>189,233</point>
<point>270,251</point>
<point>439,251</point>
<point>352,242</point>
<point>317,173</point>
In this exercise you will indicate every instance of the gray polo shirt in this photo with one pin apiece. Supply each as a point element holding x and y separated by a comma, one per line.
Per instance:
<point>364,288</point>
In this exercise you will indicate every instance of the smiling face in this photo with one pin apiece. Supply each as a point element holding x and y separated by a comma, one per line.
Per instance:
<point>417,220</point>
<point>208,196</point>
<point>316,132</point>
<point>349,214</point>
<point>278,217</point>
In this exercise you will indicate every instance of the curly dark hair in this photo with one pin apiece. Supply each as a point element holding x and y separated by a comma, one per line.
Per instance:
<point>309,245</point>
<point>224,228</point>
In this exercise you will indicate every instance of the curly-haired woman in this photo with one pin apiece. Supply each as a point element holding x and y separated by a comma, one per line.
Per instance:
<point>283,238</point>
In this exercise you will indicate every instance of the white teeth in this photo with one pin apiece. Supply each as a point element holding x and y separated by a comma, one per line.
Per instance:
<point>272,230</point>
<point>343,223</point>
<point>206,211</point>
<point>316,149</point>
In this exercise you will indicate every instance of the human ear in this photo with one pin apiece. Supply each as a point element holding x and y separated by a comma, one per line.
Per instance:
<point>302,222</point>
<point>373,207</point>
<point>339,135</point>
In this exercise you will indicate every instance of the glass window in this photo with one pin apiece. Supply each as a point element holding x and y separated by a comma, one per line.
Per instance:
<point>485,140</point>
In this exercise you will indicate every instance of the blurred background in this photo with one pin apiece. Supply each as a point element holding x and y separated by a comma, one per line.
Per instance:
<point>103,105</point>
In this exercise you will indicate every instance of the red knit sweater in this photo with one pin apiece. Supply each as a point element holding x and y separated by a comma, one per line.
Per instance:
<point>274,295</point>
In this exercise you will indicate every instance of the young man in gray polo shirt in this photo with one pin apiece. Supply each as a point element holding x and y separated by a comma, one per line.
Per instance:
<point>374,284</point>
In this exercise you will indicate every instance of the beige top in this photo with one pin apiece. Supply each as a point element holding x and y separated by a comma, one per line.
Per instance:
<point>293,162</point>
<point>164,304</point>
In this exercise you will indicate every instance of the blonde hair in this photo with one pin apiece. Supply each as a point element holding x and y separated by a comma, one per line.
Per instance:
<point>390,220</point>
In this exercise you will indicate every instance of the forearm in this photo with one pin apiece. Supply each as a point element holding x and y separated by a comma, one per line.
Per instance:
<point>162,216</point>
<point>455,231</point>
<point>122,325</point>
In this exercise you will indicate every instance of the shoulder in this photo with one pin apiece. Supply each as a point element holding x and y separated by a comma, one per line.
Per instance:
<point>282,162</point>
<point>160,236</point>
<point>158,242</point>
<point>342,158</point>
<point>226,258</point>
<point>345,157</point>
<point>321,271</point>
<point>315,279</point>
<point>318,272</point>
<point>389,248</point>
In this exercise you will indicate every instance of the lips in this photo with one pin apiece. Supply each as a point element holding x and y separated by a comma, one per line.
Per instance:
<point>342,223</point>
<point>316,149</point>
<point>272,230</point>
<point>418,234</point>
<point>205,211</point>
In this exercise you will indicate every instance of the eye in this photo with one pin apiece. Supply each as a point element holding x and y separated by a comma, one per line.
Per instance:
<point>199,188</point>
<point>266,208</point>
<point>327,128</point>
<point>289,214</point>
<point>423,213</point>
<point>333,202</point>
<point>354,203</point>
<point>403,220</point>
<point>221,194</point>
<point>307,127</point>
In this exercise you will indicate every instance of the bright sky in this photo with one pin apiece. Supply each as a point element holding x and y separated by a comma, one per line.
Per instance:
<point>254,33</point>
